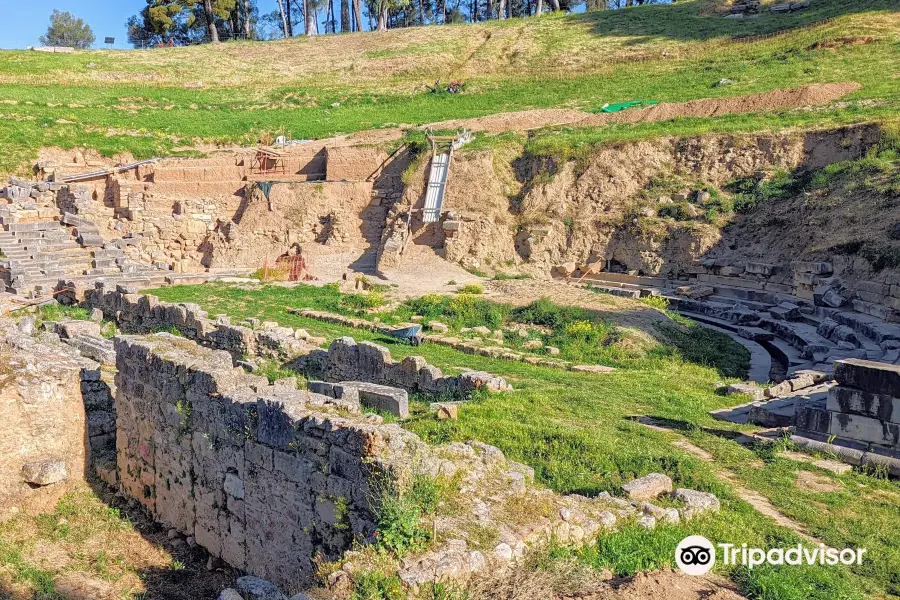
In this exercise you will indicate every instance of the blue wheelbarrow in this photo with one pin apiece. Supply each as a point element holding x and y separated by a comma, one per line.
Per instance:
<point>408,333</point>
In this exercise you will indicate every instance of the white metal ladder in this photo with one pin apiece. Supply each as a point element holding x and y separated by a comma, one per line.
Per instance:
<point>437,184</point>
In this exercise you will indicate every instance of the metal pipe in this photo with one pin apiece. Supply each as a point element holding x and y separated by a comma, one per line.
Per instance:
<point>110,171</point>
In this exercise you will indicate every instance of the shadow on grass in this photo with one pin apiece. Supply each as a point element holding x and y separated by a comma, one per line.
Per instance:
<point>700,21</point>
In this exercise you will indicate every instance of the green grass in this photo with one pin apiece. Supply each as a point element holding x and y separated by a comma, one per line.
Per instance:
<point>136,102</point>
<point>40,581</point>
<point>573,429</point>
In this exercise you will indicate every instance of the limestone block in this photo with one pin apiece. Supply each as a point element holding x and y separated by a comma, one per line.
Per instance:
<point>755,392</point>
<point>858,402</point>
<point>785,311</point>
<point>696,502</point>
<point>44,472</point>
<point>648,487</point>
<point>757,268</point>
<point>865,429</point>
<point>438,327</point>
<point>254,588</point>
<point>870,376</point>
<point>818,268</point>
<point>70,329</point>
<point>386,398</point>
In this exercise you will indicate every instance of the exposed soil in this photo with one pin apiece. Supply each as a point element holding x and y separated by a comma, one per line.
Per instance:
<point>94,553</point>
<point>813,482</point>
<point>666,585</point>
<point>569,581</point>
<point>623,312</point>
<point>811,95</point>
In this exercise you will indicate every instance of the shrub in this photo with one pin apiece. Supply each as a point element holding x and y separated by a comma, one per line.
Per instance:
<point>377,586</point>
<point>399,527</point>
<point>657,302</point>
<point>362,302</point>
<point>472,288</point>
<point>462,310</point>
<point>580,329</point>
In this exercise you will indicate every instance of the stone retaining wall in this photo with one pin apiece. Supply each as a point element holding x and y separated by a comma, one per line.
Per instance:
<point>863,410</point>
<point>345,360</point>
<point>256,476</point>
<point>139,313</point>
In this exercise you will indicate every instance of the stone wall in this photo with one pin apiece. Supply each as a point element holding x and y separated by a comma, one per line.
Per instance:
<point>345,360</point>
<point>138,313</point>
<point>862,411</point>
<point>43,441</point>
<point>256,476</point>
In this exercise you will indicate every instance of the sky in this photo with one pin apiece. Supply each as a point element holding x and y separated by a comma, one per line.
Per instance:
<point>22,22</point>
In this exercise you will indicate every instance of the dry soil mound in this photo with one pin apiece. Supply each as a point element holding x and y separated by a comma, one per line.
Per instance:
<point>810,95</point>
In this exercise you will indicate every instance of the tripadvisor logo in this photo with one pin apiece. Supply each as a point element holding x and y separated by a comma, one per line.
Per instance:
<point>696,555</point>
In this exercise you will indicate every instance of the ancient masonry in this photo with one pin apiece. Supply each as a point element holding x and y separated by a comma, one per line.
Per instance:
<point>268,477</point>
<point>58,410</point>
<point>859,418</point>
<point>255,475</point>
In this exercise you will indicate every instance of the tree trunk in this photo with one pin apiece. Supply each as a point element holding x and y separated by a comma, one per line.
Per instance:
<point>444,12</point>
<point>421,13</point>
<point>247,18</point>
<point>345,16</point>
<point>554,4</point>
<point>210,21</point>
<point>357,11</point>
<point>284,21</point>
<point>382,16</point>
<point>501,10</point>
<point>539,9</point>
<point>309,15</point>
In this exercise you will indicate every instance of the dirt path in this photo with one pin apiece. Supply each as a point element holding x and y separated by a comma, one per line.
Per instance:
<point>666,585</point>
<point>753,498</point>
<point>811,95</point>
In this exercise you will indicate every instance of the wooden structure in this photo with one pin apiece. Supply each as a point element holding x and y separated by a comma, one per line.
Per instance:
<point>267,161</point>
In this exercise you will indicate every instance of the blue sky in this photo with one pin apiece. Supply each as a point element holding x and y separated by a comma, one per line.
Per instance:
<point>23,21</point>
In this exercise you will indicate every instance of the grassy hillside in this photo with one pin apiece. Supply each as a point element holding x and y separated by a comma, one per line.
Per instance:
<point>149,102</point>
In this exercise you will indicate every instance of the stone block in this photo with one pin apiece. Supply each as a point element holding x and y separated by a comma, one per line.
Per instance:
<point>648,487</point>
<point>865,429</point>
<point>382,397</point>
<point>870,376</point>
<point>254,588</point>
<point>44,472</point>
<point>755,392</point>
<point>764,269</point>
<point>817,268</point>
<point>696,502</point>
<point>785,311</point>
<point>850,400</point>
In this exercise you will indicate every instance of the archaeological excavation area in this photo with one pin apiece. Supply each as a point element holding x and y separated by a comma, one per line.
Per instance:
<point>388,366</point>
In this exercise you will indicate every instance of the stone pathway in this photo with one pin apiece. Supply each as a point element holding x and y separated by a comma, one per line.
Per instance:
<point>753,498</point>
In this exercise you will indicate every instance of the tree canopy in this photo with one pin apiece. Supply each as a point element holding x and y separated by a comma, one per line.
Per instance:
<point>67,30</point>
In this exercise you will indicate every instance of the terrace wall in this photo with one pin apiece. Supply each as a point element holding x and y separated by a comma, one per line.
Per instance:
<point>259,478</point>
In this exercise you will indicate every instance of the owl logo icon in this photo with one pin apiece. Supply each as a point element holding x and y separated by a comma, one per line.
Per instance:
<point>695,555</point>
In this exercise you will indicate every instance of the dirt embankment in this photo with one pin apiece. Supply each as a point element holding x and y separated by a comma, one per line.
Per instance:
<point>633,203</point>
<point>811,95</point>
